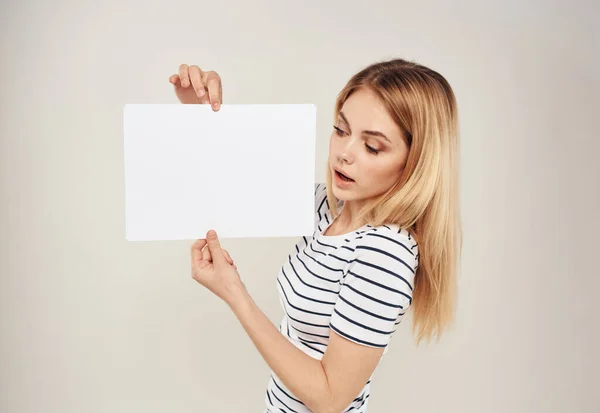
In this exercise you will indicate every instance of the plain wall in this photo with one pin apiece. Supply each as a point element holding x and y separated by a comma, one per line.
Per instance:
<point>92,323</point>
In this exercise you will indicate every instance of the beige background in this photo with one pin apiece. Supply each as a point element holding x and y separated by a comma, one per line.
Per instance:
<point>92,323</point>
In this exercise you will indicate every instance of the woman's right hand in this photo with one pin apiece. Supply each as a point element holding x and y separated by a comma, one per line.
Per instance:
<point>193,85</point>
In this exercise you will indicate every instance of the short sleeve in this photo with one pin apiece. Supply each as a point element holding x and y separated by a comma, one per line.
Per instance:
<point>377,289</point>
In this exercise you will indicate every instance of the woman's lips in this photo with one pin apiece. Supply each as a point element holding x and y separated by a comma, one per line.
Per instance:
<point>343,174</point>
<point>342,183</point>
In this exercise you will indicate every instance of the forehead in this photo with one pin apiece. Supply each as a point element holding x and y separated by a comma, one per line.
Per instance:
<point>365,111</point>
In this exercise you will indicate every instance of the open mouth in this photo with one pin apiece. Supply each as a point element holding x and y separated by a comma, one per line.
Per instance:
<point>344,177</point>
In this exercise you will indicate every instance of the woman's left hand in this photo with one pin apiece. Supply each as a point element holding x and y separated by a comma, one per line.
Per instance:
<point>214,269</point>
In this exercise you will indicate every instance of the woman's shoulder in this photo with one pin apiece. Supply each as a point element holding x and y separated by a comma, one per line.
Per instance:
<point>321,205</point>
<point>393,231</point>
<point>320,189</point>
<point>390,234</point>
<point>392,241</point>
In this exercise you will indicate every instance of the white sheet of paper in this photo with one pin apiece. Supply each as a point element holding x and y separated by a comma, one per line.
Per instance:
<point>244,171</point>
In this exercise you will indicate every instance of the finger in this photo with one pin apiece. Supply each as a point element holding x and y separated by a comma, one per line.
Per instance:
<point>184,75</point>
<point>197,249</point>
<point>174,79</point>
<point>215,247</point>
<point>196,79</point>
<point>228,257</point>
<point>220,91</point>
<point>213,84</point>
<point>206,254</point>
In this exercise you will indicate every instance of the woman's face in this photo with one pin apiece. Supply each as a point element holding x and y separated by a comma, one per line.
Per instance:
<point>366,146</point>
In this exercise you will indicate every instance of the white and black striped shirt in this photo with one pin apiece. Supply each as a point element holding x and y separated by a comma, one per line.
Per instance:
<point>358,284</point>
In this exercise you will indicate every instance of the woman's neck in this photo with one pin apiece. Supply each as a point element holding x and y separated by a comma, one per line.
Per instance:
<point>346,220</point>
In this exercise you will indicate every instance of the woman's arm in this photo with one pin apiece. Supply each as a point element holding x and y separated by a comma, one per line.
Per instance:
<point>326,385</point>
<point>303,375</point>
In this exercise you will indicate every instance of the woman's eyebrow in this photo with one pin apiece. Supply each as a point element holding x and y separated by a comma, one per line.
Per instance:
<point>366,132</point>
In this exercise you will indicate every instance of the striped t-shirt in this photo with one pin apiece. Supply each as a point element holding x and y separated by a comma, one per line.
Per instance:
<point>357,284</point>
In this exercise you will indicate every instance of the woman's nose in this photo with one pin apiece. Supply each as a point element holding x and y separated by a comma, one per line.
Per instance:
<point>348,149</point>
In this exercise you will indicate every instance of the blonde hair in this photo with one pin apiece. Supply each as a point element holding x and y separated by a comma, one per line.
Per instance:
<point>425,200</point>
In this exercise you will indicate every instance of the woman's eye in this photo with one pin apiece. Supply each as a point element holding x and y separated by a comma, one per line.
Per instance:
<point>371,150</point>
<point>338,131</point>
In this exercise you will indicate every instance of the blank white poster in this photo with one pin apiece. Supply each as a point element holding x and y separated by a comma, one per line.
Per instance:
<point>244,171</point>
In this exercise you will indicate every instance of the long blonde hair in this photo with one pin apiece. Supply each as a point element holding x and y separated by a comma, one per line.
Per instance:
<point>425,200</point>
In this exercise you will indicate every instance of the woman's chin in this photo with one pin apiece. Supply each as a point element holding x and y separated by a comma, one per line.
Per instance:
<point>342,194</point>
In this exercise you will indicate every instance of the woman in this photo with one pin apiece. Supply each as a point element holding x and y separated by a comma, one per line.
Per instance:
<point>387,237</point>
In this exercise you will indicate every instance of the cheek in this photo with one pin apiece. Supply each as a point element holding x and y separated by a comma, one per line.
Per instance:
<point>333,145</point>
<point>380,174</point>
<point>332,139</point>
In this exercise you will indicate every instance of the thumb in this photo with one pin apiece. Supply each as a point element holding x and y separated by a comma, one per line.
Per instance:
<point>214,246</point>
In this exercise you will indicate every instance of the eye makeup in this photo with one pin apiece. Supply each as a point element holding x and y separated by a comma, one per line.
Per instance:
<point>370,149</point>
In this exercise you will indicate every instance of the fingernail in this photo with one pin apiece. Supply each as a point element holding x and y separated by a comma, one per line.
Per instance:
<point>216,105</point>
<point>200,93</point>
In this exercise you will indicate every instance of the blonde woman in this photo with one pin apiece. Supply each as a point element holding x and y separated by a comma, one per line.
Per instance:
<point>387,238</point>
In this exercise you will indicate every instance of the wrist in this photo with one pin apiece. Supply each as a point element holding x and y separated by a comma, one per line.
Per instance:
<point>237,297</point>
